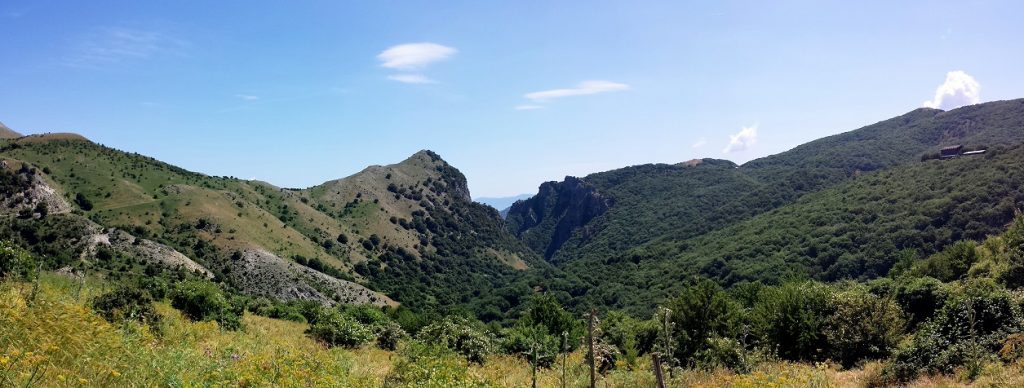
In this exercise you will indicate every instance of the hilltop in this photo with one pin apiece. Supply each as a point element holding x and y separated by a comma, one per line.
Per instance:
<point>7,133</point>
<point>334,243</point>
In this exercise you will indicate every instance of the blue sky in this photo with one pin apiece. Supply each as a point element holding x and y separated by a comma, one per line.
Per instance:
<point>511,93</point>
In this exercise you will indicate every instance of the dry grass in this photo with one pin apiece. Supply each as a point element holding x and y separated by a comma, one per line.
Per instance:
<point>59,341</point>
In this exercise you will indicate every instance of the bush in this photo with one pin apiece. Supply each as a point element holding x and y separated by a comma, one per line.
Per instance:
<point>335,329</point>
<point>973,324</point>
<point>719,352</point>
<point>533,343</point>
<point>15,262</point>
<point>790,320</point>
<point>952,263</point>
<point>201,300</point>
<point>423,365</point>
<point>127,304</point>
<point>703,311</point>
<point>631,336</point>
<point>458,335</point>
<point>366,314</point>
<point>157,287</point>
<point>389,334</point>
<point>863,326</point>
<point>83,202</point>
<point>920,298</point>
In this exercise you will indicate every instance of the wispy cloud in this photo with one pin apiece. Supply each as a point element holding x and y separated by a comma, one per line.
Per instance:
<point>959,89</point>
<point>528,107</point>
<point>412,56</point>
<point>411,79</point>
<point>113,45</point>
<point>584,88</point>
<point>700,143</point>
<point>248,97</point>
<point>743,140</point>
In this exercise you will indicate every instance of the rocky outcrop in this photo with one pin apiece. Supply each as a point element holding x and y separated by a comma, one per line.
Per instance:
<point>151,251</point>
<point>260,273</point>
<point>25,193</point>
<point>547,220</point>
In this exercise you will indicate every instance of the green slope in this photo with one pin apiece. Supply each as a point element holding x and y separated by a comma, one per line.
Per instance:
<point>675,202</point>
<point>385,227</point>
<point>666,222</point>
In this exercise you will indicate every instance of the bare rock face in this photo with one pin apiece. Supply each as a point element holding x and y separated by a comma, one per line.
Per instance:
<point>151,251</point>
<point>261,273</point>
<point>547,220</point>
<point>29,194</point>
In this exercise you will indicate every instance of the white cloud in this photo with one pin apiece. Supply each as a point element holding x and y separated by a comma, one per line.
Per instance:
<point>113,45</point>
<point>700,143</point>
<point>248,97</point>
<point>414,55</point>
<point>743,140</point>
<point>584,88</point>
<point>411,79</point>
<point>959,89</point>
<point>528,107</point>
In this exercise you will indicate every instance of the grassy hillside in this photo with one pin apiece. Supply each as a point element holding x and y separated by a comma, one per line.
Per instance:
<point>7,133</point>
<point>409,230</point>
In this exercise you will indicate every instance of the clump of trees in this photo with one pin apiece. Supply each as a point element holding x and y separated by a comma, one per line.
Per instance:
<point>201,300</point>
<point>128,303</point>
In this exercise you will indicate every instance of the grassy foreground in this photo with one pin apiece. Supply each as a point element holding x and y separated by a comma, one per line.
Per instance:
<point>57,340</point>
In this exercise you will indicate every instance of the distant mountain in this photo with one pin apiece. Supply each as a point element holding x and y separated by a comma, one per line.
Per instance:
<point>638,231</point>
<point>7,133</point>
<point>501,203</point>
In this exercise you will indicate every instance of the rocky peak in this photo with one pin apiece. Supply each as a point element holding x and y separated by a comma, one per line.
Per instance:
<point>558,210</point>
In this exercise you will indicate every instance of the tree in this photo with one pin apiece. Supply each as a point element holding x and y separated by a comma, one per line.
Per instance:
<point>83,202</point>
<point>701,312</point>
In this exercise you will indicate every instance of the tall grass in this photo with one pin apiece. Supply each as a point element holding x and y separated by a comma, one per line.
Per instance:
<point>59,341</point>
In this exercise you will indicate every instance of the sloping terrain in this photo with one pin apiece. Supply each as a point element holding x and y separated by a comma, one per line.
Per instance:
<point>688,219</point>
<point>7,133</point>
<point>386,227</point>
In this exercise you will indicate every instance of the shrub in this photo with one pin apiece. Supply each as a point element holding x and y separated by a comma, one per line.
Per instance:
<point>157,287</point>
<point>423,365</point>
<point>127,304</point>
<point>201,300</point>
<point>15,262</point>
<point>389,334</point>
<point>366,314</point>
<point>952,263</point>
<point>457,334</point>
<point>701,312</point>
<point>532,343</point>
<point>920,298</point>
<point>544,311</point>
<point>83,202</point>
<point>719,352</point>
<point>629,334</point>
<point>790,319</point>
<point>974,322</point>
<point>863,326</point>
<point>335,329</point>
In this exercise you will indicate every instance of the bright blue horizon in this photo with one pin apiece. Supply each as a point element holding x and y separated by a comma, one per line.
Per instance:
<point>302,94</point>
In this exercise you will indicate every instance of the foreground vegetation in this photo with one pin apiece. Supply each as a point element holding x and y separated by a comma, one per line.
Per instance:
<point>912,328</point>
